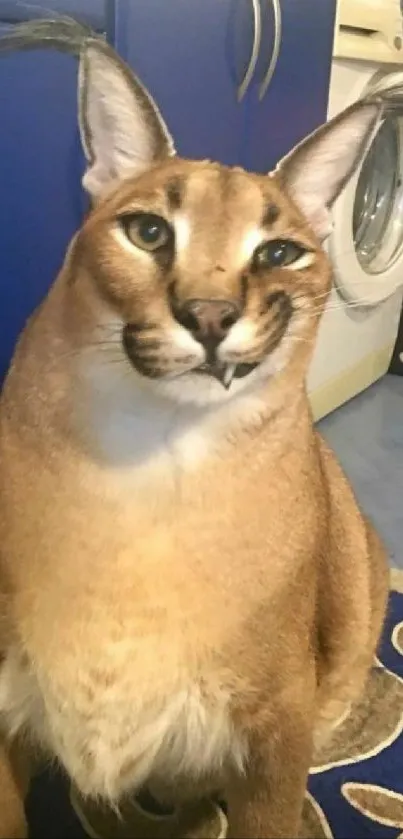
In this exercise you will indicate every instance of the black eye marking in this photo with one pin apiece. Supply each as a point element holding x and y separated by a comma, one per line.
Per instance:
<point>244,289</point>
<point>270,215</point>
<point>276,254</point>
<point>276,297</point>
<point>281,302</point>
<point>173,295</point>
<point>174,194</point>
<point>220,269</point>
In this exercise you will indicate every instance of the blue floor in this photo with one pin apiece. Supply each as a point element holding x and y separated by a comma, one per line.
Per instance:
<point>367,436</point>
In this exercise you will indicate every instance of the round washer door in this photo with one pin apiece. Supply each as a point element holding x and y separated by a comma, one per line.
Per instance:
<point>366,244</point>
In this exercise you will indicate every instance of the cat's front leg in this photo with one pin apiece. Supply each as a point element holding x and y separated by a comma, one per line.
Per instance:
<point>13,787</point>
<point>266,803</point>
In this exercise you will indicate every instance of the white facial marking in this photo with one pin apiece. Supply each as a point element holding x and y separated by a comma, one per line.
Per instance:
<point>239,338</point>
<point>253,238</point>
<point>182,341</point>
<point>305,261</point>
<point>182,232</point>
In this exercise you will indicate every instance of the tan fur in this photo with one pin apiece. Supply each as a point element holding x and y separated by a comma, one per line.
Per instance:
<point>191,595</point>
<point>13,785</point>
<point>182,604</point>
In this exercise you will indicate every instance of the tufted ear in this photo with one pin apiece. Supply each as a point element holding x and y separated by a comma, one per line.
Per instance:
<point>122,131</point>
<point>315,172</point>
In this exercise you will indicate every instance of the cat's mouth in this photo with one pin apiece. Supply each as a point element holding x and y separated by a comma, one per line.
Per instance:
<point>224,372</point>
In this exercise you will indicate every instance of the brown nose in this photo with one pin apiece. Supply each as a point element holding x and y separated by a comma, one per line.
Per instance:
<point>209,321</point>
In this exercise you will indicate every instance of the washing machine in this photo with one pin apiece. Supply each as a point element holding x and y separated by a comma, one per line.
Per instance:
<point>360,323</point>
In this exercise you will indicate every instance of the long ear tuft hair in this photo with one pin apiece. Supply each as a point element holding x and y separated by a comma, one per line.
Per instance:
<point>122,131</point>
<point>315,172</point>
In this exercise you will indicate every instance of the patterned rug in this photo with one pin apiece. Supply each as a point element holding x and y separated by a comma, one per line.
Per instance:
<point>355,792</point>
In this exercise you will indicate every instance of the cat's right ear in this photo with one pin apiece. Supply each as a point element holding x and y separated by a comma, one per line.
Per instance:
<point>122,131</point>
<point>315,171</point>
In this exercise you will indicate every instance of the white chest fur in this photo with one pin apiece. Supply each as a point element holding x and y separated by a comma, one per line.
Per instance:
<point>134,428</point>
<point>112,740</point>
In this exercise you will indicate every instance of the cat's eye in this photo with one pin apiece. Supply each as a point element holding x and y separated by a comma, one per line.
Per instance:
<point>147,231</point>
<point>277,254</point>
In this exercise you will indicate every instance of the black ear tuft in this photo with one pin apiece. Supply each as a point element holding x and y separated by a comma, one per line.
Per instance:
<point>121,128</point>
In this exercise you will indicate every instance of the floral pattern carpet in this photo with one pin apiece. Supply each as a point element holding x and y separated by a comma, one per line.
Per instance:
<point>355,792</point>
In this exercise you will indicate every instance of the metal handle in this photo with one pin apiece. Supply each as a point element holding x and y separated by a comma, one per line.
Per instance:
<point>257,38</point>
<point>278,25</point>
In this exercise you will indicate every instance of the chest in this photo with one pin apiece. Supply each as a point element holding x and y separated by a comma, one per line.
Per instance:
<point>115,727</point>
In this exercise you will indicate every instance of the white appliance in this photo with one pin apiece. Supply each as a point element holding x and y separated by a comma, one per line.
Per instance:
<point>359,327</point>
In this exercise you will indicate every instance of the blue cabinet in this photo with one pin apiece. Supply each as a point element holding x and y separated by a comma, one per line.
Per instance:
<point>192,55</point>
<point>41,201</point>
<point>295,101</point>
<point>92,12</point>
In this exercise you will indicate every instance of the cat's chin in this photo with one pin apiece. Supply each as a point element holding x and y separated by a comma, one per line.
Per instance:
<point>200,389</point>
<point>226,373</point>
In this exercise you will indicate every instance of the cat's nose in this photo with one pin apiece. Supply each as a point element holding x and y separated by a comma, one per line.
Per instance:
<point>209,321</point>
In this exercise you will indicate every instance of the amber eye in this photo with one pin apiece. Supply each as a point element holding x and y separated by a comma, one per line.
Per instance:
<point>277,254</point>
<point>147,231</point>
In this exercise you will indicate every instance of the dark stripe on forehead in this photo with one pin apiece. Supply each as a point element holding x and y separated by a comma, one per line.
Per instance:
<point>270,214</point>
<point>174,193</point>
<point>224,182</point>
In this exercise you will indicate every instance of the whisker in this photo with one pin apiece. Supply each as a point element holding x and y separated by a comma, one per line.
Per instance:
<point>302,339</point>
<point>351,285</point>
<point>102,345</point>
<point>344,304</point>
<point>335,308</point>
<point>108,335</point>
<point>83,351</point>
<point>111,361</point>
<point>324,294</point>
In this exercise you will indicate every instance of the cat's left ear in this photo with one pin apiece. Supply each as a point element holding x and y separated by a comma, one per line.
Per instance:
<point>122,131</point>
<point>315,172</point>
